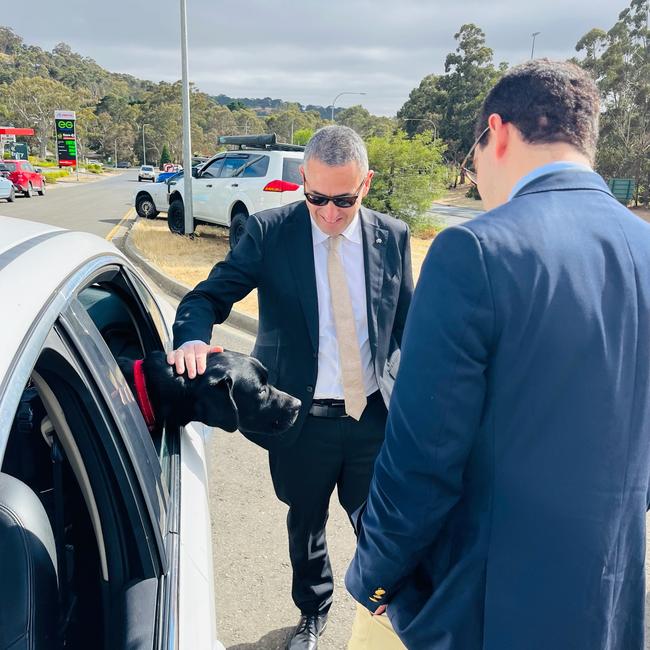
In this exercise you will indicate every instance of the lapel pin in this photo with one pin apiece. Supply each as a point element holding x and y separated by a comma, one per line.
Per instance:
<point>378,240</point>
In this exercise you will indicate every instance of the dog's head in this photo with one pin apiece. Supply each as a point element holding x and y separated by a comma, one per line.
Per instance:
<point>234,393</point>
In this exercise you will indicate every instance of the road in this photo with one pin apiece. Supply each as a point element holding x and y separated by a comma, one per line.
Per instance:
<point>453,215</point>
<point>96,206</point>
<point>252,572</point>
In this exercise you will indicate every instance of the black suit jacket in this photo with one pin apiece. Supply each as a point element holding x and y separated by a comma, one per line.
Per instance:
<point>275,255</point>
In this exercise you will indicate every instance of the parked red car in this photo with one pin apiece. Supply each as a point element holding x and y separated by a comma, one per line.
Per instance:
<point>25,178</point>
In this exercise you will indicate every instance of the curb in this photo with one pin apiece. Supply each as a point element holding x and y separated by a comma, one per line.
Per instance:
<point>174,288</point>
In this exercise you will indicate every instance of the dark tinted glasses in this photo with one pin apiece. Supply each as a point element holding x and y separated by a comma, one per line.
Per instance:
<point>343,201</point>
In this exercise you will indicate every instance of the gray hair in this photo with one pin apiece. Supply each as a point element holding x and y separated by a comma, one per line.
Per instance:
<point>337,145</point>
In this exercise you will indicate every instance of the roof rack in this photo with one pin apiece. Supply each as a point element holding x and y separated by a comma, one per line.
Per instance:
<point>263,141</point>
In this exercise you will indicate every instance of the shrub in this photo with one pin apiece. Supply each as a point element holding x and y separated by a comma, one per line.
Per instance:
<point>53,176</point>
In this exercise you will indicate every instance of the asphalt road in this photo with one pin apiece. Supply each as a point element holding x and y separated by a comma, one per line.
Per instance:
<point>252,571</point>
<point>96,206</point>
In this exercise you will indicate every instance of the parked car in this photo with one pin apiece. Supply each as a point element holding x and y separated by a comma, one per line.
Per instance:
<point>123,164</point>
<point>104,527</point>
<point>152,199</point>
<point>7,190</point>
<point>147,173</point>
<point>24,176</point>
<point>232,185</point>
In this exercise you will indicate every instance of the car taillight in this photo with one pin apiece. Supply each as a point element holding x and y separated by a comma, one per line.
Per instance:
<point>281,186</point>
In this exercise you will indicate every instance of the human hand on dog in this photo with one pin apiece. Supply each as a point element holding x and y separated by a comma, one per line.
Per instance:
<point>191,355</point>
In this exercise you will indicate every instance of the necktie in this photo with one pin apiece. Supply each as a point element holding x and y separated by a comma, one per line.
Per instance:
<point>349,353</point>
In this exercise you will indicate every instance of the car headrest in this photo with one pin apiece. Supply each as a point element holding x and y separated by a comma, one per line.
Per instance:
<point>29,586</point>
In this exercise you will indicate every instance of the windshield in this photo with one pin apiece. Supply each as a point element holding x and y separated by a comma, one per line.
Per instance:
<point>7,167</point>
<point>146,168</point>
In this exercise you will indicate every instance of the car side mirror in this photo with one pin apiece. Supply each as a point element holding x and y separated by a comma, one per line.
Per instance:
<point>195,173</point>
<point>38,170</point>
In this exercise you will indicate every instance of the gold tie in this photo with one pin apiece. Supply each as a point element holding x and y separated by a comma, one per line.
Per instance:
<point>346,334</point>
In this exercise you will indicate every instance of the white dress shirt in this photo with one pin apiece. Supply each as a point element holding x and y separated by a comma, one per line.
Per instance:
<point>329,384</point>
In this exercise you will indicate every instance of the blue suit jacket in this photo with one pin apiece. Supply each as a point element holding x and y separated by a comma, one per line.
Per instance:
<point>507,509</point>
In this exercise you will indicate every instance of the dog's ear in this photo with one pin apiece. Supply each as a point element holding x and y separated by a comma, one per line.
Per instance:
<point>215,403</point>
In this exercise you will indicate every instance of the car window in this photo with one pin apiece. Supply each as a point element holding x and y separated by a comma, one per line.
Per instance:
<point>64,445</point>
<point>213,169</point>
<point>8,167</point>
<point>291,170</point>
<point>256,167</point>
<point>233,163</point>
<point>27,167</point>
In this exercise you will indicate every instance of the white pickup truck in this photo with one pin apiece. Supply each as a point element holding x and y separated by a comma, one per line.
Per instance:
<point>152,199</point>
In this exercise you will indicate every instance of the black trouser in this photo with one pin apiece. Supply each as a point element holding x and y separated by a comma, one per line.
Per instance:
<point>329,452</point>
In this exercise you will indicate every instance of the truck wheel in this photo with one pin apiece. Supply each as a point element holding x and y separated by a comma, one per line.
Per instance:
<point>237,225</point>
<point>145,207</point>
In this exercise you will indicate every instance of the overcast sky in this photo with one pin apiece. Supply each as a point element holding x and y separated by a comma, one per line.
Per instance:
<point>306,51</point>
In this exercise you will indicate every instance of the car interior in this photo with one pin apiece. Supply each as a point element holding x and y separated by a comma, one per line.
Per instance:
<point>75,573</point>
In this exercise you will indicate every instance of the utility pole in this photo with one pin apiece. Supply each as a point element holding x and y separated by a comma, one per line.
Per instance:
<point>115,153</point>
<point>187,133</point>
<point>532,51</point>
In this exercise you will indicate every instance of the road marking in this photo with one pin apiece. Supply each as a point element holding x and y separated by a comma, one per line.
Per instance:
<point>129,213</point>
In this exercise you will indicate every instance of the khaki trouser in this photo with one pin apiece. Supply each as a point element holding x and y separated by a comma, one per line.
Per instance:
<point>373,632</point>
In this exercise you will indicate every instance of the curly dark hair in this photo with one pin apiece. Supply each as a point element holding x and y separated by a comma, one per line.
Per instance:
<point>548,101</point>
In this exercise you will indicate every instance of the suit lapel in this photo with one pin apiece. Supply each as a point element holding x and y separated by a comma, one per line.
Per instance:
<point>374,239</point>
<point>299,245</point>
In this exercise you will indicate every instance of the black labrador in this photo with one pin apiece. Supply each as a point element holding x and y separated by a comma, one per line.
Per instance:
<point>233,393</point>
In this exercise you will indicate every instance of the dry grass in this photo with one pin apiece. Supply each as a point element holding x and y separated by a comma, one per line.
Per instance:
<point>189,260</point>
<point>456,196</point>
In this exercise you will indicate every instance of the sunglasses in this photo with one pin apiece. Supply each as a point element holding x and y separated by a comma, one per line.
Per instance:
<point>342,201</point>
<point>468,162</point>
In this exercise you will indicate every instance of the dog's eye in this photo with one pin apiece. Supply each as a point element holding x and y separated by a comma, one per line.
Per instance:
<point>264,390</point>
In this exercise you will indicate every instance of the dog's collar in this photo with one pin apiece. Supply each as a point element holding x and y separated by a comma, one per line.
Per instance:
<point>142,396</point>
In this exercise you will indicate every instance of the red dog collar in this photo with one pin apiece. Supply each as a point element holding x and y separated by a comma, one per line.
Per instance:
<point>142,397</point>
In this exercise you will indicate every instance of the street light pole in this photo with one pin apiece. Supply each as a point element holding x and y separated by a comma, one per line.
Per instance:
<point>144,148</point>
<point>187,133</point>
<point>423,119</point>
<point>532,51</point>
<point>340,95</point>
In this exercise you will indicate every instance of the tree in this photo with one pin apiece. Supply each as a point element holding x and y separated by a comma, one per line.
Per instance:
<point>619,60</point>
<point>31,102</point>
<point>288,121</point>
<point>452,101</point>
<point>164,156</point>
<point>302,136</point>
<point>408,174</point>
<point>364,123</point>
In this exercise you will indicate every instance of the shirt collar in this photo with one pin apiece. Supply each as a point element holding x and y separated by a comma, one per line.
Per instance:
<point>560,165</point>
<point>351,233</point>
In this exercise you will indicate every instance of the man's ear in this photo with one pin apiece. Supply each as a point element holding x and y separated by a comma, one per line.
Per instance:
<point>220,409</point>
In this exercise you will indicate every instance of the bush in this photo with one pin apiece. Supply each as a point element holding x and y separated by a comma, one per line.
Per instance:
<point>42,163</point>
<point>409,174</point>
<point>52,177</point>
<point>425,227</point>
<point>94,168</point>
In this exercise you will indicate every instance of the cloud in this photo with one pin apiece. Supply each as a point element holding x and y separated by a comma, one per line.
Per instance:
<point>306,51</point>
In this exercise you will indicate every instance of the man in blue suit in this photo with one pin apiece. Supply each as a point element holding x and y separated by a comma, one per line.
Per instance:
<point>507,508</point>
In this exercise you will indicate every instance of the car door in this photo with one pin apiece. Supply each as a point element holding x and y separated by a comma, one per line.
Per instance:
<point>203,187</point>
<point>227,188</point>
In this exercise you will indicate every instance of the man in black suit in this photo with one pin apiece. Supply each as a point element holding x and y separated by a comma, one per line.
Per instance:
<point>334,286</point>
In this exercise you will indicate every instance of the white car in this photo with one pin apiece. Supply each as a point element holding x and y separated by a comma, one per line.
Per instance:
<point>147,173</point>
<point>105,538</point>
<point>152,199</point>
<point>232,185</point>
<point>7,190</point>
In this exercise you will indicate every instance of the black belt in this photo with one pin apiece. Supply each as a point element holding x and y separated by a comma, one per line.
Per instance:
<point>334,408</point>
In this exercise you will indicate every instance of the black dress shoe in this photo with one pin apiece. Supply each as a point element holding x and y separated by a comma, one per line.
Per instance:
<point>309,628</point>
